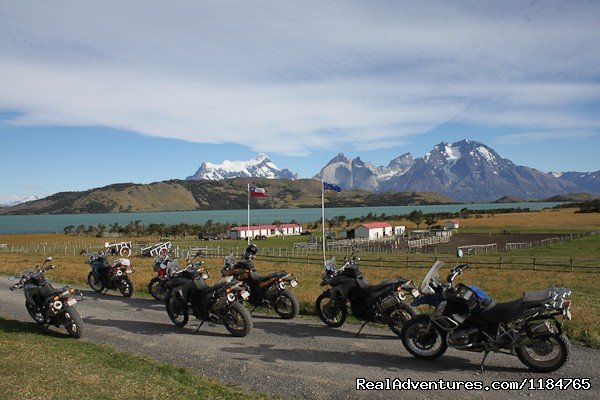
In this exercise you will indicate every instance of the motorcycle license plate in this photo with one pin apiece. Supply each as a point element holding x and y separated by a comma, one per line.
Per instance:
<point>71,301</point>
<point>245,295</point>
<point>294,283</point>
<point>415,293</point>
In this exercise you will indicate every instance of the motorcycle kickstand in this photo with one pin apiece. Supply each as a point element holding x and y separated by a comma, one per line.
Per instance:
<point>200,326</point>
<point>361,328</point>
<point>487,353</point>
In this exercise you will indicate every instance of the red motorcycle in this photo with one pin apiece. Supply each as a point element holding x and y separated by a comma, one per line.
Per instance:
<point>105,275</point>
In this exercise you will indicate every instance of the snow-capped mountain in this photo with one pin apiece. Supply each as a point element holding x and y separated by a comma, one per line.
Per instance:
<point>14,203</point>
<point>466,170</point>
<point>587,181</point>
<point>258,167</point>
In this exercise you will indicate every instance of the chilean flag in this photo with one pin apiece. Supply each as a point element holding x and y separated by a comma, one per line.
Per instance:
<point>257,192</point>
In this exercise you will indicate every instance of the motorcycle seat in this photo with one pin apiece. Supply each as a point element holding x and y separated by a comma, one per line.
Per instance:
<point>505,312</point>
<point>367,287</point>
<point>260,278</point>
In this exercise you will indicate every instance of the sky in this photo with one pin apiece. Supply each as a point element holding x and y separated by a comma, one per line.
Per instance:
<point>94,93</point>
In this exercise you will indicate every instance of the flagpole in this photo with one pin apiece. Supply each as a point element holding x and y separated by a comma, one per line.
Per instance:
<point>248,231</point>
<point>323,216</point>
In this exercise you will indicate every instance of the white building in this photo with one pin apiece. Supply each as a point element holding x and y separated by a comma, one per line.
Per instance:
<point>399,230</point>
<point>453,224</point>
<point>242,232</point>
<point>373,230</point>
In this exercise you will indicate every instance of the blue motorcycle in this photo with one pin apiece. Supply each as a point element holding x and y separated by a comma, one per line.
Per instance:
<point>466,318</point>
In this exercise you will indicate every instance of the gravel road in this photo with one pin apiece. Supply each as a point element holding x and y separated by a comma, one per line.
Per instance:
<point>300,358</point>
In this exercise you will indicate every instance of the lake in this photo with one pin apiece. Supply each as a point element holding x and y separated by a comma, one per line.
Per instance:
<point>56,223</point>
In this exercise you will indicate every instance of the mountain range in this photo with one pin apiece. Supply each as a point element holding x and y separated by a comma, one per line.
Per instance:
<point>465,171</point>
<point>16,202</point>
<point>259,167</point>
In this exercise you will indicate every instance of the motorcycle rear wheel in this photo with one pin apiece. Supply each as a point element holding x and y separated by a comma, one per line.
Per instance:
<point>419,342</point>
<point>332,314</point>
<point>237,320</point>
<point>400,316</point>
<point>545,354</point>
<point>286,305</point>
<point>74,324</point>
<point>94,282</point>
<point>126,287</point>
<point>157,289</point>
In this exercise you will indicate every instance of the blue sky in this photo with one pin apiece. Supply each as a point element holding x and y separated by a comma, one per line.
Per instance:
<point>97,93</point>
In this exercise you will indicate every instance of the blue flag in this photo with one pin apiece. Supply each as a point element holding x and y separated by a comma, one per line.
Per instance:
<point>331,186</point>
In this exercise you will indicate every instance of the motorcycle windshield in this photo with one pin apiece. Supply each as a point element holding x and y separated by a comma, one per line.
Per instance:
<point>432,279</point>
<point>330,264</point>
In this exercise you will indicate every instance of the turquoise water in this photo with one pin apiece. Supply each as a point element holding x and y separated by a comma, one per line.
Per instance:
<point>56,223</point>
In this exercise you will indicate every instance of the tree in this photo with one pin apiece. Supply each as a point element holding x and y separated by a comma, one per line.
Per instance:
<point>430,219</point>
<point>68,229</point>
<point>416,217</point>
<point>80,230</point>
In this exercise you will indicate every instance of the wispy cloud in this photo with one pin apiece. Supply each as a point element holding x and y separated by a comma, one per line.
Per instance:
<point>534,137</point>
<point>292,77</point>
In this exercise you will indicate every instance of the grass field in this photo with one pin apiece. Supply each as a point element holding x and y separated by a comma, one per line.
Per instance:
<point>54,366</point>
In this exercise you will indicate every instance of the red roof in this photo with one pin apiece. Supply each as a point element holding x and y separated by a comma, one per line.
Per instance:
<point>455,221</point>
<point>375,225</point>
<point>261,227</point>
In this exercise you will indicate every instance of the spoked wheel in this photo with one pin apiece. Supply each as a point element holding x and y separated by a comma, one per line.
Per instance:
<point>126,287</point>
<point>237,320</point>
<point>286,305</point>
<point>35,313</point>
<point>95,282</point>
<point>400,316</point>
<point>157,289</point>
<point>74,323</point>
<point>330,312</point>
<point>177,309</point>
<point>545,354</point>
<point>422,340</point>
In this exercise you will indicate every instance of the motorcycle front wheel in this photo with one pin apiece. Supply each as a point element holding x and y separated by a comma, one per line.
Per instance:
<point>126,287</point>
<point>546,354</point>
<point>74,323</point>
<point>157,289</point>
<point>35,313</point>
<point>422,340</point>
<point>95,282</point>
<point>237,320</point>
<point>177,309</point>
<point>330,312</point>
<point>400,316</point>
<point>286,305</point>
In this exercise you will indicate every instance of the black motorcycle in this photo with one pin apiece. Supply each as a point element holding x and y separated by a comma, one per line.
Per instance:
<point>268,290</point>
<point>187,292</point>
<point>466,318</point>
<point>167,269</point>
<point>48,306</point>
<point>383,303</point>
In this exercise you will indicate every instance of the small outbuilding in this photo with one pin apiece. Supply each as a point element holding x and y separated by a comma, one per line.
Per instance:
<point>243,232</point>
<point>453,224</point>
<point>373,230</point>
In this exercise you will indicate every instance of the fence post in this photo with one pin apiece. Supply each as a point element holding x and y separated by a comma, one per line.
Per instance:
<point>534,263</point>
<point>571,263</point>
<point>500,263</point>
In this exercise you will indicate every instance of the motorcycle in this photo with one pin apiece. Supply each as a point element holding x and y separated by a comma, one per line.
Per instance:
<point>105,276</point>
<point>168,269</point>
<point>383,303</point>
<point>188,293</point>
<point>268,290</point>
<point>48,306</point>
<point>466,318</point>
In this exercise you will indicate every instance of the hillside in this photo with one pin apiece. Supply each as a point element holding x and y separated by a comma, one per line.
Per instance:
<point>180,195</point>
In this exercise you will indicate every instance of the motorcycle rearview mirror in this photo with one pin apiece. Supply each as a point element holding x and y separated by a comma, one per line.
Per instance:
<point>47,260</point>
<point>107,245</point>
<point>459,253</point>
